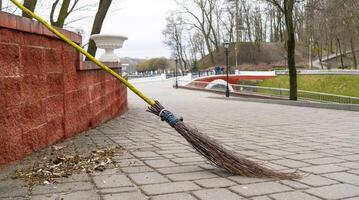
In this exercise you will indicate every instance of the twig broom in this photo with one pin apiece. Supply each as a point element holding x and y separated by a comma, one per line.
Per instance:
<point>206,146</point>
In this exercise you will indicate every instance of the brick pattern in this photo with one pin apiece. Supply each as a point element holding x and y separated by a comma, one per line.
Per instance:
<point>43,97</point>
<point>19,23</point>
<point>89,65</point>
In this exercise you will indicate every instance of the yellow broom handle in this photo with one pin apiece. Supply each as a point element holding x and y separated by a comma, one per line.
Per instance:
<point>93,59</point>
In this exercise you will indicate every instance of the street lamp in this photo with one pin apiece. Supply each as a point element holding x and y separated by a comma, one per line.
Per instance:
<point>226,47</point>
<point>176,84</point>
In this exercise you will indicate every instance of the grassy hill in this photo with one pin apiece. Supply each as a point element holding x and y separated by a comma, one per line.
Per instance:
<point>254,57</point>
<point>333,84</point>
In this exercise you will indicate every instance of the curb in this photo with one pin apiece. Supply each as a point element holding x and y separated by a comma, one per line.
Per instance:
<point>235,94</point>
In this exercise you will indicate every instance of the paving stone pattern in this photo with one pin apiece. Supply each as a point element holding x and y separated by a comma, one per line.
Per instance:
<point>158,164</point>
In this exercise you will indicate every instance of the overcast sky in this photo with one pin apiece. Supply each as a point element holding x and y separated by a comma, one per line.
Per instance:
<point>142,21</point>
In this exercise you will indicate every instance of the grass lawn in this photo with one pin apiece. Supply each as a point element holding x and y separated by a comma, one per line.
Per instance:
<point>347,85</point>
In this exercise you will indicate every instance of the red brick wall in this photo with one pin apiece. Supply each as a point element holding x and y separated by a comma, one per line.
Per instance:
<point>44,98</point>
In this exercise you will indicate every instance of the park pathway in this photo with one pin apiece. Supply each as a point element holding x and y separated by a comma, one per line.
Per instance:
<point>158,164</point>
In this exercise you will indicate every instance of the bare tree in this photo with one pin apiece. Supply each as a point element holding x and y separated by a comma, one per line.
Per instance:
<point>197,42</point>
<point>287,7</point>
<point>316,24</point>
<point>229,22</point>
<point>247,15</point>
<point>258,27</point>
<point>203,22</point>
<point>350,17</point>
<point>29,4</point>
<point>103,8</point>
<point>353,50</point>
<point>333,27</point>
<point>65,11</point>
<point>174,38</point>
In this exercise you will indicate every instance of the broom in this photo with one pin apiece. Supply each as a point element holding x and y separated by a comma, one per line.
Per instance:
<point>206,146</point>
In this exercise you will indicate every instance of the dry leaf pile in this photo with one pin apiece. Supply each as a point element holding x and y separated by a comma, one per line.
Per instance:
<point>66,165</point>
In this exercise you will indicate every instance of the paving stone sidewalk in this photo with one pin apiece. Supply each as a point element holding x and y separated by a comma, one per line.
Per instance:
<point>158,164</point>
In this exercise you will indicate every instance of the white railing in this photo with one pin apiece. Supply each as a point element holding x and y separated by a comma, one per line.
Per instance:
<point>321,72</point>
<point>256,73</point>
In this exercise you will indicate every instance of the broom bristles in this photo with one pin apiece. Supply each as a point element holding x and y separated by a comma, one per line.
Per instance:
<point>226,159</point>
<point>219,155</point>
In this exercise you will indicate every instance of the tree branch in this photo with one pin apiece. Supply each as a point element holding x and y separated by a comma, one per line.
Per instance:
<point>53,8</point>
<point>277,4</point>
<point>72,8</point>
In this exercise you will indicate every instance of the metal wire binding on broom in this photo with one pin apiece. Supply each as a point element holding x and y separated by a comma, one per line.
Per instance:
<point>164,114</point>
<point>169,117</point>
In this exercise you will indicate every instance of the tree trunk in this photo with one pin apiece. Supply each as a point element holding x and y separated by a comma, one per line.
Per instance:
<point>181,65</point>
<point>355,63</point>
<point>319,53</point>
<point>278,27</point>
<point>209,49</point>
<point>281,32</point>
<point>271,26</point>
<point>179,59</point>
<point>341,53</point>
<point>203,53</point>
<point>0,5</point>
<point>310,54</point>
<point>62,14</point>
<point>97,24</point>
<point>289,5</point>
<point>182,59</point>
<point>29,4</point>
<point>184,63</point>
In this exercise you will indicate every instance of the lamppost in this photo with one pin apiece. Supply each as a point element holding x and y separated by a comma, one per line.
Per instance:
<point>176,83</point>
<point>226,47</point>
